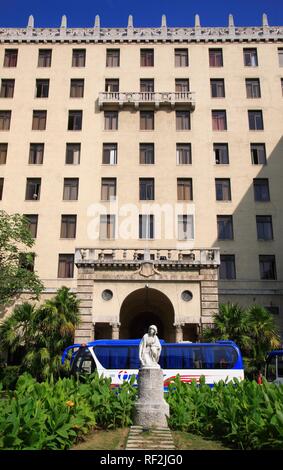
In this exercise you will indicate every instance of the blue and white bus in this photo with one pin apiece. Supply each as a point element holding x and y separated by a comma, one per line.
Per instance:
<point>274,366</point>
<point>119,360</point>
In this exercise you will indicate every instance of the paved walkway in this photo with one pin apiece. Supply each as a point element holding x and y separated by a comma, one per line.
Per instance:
<point>149,439</point>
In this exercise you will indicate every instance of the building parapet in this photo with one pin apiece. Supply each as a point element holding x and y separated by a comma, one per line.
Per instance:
<point>155,99</point>
<point>163,257</point>
<point>97,34</point>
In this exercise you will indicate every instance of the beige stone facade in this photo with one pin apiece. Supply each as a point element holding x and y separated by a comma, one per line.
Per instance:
<point>233,201</point>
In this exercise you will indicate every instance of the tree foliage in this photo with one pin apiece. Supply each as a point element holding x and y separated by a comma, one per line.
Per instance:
<point>15,240</point>
<point>252,329</point>
<point>42,332</point>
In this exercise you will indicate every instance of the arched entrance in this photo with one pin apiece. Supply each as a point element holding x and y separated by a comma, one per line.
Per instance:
<point>144,307</point>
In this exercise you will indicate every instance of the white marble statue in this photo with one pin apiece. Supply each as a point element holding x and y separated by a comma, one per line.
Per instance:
<point>150,349</point>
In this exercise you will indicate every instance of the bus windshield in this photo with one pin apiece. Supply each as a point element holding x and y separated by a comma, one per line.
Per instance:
<point>274,366</point>
<point>84,362</point>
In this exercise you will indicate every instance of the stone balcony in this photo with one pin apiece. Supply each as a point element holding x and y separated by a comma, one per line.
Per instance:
<point>132,257</point>
<point>146,99</point>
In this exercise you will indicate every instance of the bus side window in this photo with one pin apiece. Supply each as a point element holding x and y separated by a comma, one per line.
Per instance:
<point>134,358</point>
<point>280,366</point>
<point>119,357</point>
<point>271,369</point>
<point>188,359</point>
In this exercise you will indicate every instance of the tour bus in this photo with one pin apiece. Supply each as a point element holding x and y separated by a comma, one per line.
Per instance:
<point>119,360</point>
<point>274,367</point>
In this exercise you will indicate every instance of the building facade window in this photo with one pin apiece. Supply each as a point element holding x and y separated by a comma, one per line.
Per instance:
<point>32,221</point>
<point>1,188</point>
<point>78,58</point>
<point>68,226</point>
<point>66,266</point>
<point>280,56</point>
<point>146,85</point>
<point>250,57</point>
<point>110,154</point>
<point>107,227</point>
<point>217,88</point>
<point>33,188</point>
<point>219,120</point>
<point>146,226</point>
<point>44,57</point>
<point>5,120</point>
<point>227,268</point>
<point>267,267</point>
<point>225,227</point>
<point>183,154</point>
<point>108,189</point>
<point>181,58</point>
<point>215,58</point>
<point>36,152</point>
<point>221,154</point>
<point>146,120</point>
<point>253,88</point>
<point>184,189</point>
<point>183,120</point>
<point>255,120</point>
<point>71,189</point>
<point>146,190</point>
<point>73,154</point>
<point>112,85</point>
<point>3,153</point>
<point>258,154</point>
<point>42,88</point>
<point>39,120</point>
<point>185,227</point>
<point>110,120</point>
<point>182,85</point>
<point>264,227</point>
<point>223,189</point>
<point>146,154</point>
<point>77,88</point>
<point>261,190</point>
<point>7,88</point>
<point>113,58</point>
<point>11,58</point>
<point>147,57</point>
<point>75,120</point>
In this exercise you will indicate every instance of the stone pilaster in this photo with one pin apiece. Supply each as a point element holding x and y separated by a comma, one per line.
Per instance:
<point>115,330</point>
<point>209,294</point>
<point>85,330</point>
<point>179,332</point>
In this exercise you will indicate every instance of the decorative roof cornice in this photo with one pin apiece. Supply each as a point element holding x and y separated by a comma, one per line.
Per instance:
<point>231,33</point>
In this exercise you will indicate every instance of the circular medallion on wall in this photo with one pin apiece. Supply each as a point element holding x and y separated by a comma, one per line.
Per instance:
<point>107,294</point>
<point>187,295</point>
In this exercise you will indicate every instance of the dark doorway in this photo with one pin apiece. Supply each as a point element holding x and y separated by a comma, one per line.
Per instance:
<point>145,307</point>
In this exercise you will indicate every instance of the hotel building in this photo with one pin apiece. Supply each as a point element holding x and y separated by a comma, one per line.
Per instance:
<point>149,162</point>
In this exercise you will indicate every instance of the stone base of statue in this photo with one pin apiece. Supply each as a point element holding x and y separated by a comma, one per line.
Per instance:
<point>151,409</point>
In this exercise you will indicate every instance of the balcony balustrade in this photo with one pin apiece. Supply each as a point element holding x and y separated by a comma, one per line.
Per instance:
<point>162,257</point>
<point>146,99</point>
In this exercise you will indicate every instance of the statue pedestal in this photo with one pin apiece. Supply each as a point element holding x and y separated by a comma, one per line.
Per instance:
<point>151,409</point>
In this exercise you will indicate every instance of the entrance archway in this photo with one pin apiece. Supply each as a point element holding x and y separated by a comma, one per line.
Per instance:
<point>144,307</point>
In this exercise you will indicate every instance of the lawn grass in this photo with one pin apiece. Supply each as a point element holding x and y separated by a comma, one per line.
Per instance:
<point>104,440</point>
<point>188,441</point>
<point>116,440</point>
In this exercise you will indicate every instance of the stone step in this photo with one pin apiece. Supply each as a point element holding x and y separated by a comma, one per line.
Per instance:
<point>140,438</point>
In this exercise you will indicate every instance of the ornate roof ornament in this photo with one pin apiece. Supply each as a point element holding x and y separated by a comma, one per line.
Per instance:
<point>231,33</point>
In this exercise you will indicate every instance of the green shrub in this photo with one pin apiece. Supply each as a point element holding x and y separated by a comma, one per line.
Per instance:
<point>9,376</point>
<point>242,414</point>
<point>53,415</point>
